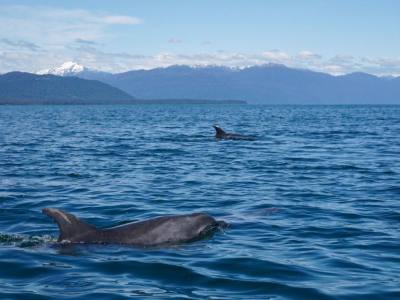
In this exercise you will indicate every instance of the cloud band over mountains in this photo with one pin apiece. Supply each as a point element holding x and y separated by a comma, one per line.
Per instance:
<point>35,39</point>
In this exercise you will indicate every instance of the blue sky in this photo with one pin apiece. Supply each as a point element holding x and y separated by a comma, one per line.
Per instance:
<point>335,36</point>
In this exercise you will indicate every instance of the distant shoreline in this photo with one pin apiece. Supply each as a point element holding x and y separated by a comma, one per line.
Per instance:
<point>198,103</point>
<point>190,101</point>
<point>133,102</point>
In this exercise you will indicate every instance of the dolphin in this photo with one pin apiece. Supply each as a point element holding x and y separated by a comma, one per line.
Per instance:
<point>222,135</point>
<point>166,230</point>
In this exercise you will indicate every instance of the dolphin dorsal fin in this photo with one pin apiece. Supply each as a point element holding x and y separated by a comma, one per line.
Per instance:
<point>219,130</point>
<point>71,228</point>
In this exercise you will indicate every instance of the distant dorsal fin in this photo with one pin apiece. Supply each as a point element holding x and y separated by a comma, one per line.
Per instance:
<point>218,131</point>
<point>71,228</point>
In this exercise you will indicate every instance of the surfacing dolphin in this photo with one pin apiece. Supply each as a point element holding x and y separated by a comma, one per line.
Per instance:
<point>222,135</point>
<point>167,230</point>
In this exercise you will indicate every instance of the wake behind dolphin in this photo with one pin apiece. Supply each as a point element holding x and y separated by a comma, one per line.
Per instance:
<point>166,230</point>
<point>222,135</point>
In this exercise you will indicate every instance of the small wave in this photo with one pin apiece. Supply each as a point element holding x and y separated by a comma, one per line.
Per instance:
<point>340,167</point>
<point>25,241</point>
<point>393,189</point>
<point>74,175</point>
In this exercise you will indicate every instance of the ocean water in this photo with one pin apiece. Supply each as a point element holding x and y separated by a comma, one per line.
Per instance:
<point>313,204</point>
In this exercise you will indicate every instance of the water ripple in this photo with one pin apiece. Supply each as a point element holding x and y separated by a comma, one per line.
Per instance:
<point>313,203</point>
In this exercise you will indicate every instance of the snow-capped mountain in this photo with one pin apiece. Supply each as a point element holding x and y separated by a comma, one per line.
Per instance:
<point>266,84</point>
<point>66,69</point>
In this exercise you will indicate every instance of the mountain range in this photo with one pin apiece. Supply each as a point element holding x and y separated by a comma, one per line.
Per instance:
<point>27,88</point>
<point>265,84</point>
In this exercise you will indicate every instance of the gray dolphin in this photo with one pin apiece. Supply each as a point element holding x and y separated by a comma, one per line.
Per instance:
<point>159,231</point>
<point>222,135</point>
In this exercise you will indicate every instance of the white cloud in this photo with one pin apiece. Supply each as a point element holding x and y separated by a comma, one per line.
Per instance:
<point>384,62</point>
<point>54,28</point>
<point>90,55</point>
<point>342,59</point>
<point>333,69</point>
<point>19,44</point>
<point>122,20</point>
<point>174,41</point>
<point>308,55</point>
<point>35,38</point>
<point>276,55</point>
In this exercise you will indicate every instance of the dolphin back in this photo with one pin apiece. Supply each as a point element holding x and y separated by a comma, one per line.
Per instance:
<point>164,230</point>
<point>71,228</point>
<point>221,134</point>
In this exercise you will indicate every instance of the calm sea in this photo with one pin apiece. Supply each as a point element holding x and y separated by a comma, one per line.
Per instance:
<point>314,203</point>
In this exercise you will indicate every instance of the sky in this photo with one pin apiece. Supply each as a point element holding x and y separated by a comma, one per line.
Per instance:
<point>332,36</point>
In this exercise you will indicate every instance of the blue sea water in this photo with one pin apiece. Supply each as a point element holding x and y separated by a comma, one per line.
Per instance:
<point>313,204</point>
